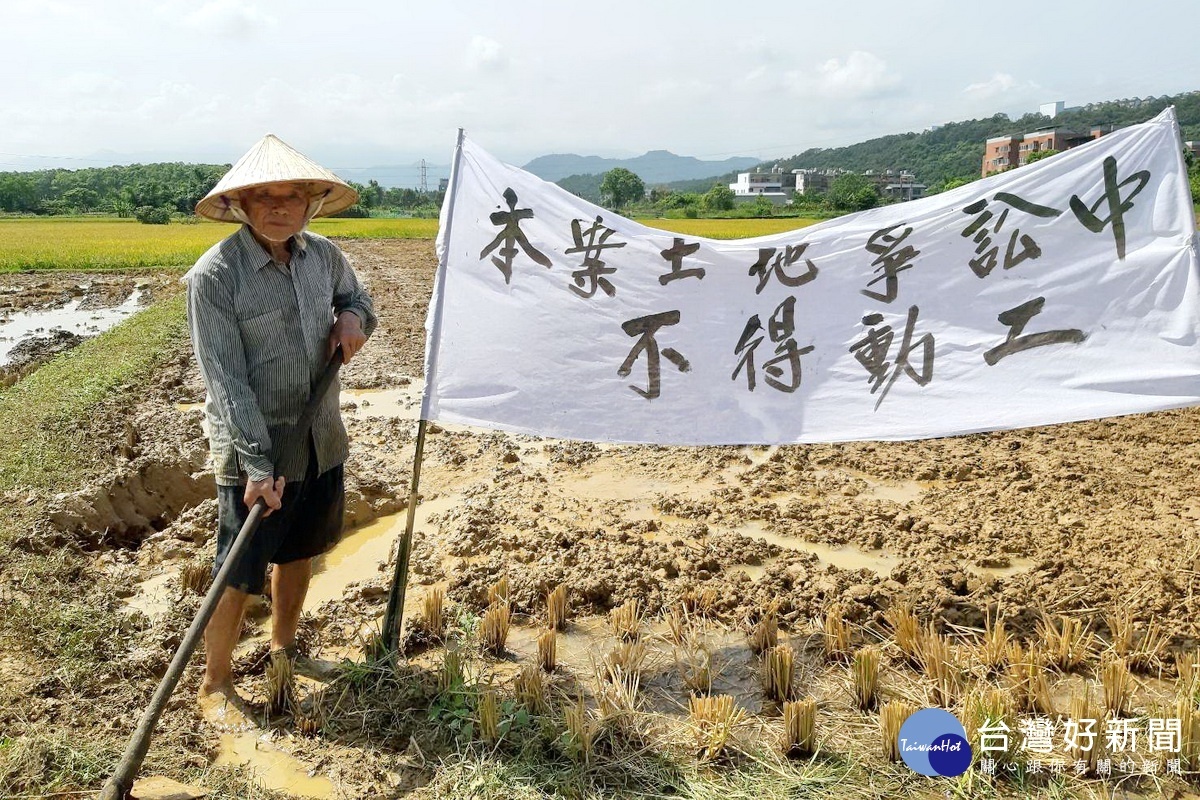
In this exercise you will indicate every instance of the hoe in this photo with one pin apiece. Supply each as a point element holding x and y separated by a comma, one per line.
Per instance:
<point>121,782</point>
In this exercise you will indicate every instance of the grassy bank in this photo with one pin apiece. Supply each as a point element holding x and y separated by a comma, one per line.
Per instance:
<point>45,441</point>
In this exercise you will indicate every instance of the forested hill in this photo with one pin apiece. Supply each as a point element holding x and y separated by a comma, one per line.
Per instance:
<point>955,150</point>
<point>177,187</point>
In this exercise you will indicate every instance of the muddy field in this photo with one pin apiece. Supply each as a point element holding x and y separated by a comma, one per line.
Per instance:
<point>1081,520</point>
<point>41,316</point>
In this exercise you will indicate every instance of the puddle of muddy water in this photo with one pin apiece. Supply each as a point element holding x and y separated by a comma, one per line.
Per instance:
<point>360,553</point>
<point>582,648</point>
<point>272,767</point>
<point>845,557</point>
<point>405,403</point>
<point>902,492</point>
<point>71,318</point>
<point>601,485</point>
<point>401,403</point>
<point>851,558</point>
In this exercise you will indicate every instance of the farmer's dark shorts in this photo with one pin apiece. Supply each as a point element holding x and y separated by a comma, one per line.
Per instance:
<point>308,524</point>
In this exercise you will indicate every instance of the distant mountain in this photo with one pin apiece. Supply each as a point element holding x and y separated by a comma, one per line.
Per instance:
<point>397,176</point>
<point>657,166</point>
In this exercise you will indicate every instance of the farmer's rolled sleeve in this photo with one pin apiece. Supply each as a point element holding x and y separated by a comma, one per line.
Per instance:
<point>260,332</point>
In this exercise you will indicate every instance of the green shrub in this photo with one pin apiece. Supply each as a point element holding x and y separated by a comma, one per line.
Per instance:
<point>719,198</point>
<point>356,211</point>
<point>151,215</point>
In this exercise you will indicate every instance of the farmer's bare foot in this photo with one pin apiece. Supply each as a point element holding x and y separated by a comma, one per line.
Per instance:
<point>223,708</point>
<point>316,668</point>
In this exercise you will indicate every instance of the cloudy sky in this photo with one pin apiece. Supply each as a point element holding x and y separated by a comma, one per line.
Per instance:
<point>358,84</point>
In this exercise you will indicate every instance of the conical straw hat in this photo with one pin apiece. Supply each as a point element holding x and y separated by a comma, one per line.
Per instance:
<point>273,161</point>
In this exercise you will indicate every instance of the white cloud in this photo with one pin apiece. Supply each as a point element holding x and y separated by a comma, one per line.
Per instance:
<point>861,75</point>
<point>277,99</point>
<point>759,49</point>
<point>1003,92</point>
<point>44,9</point>
<point>229,17</point>
<point>759,74</point>
<point>998,85</point>
<point>485,53</point>
<point>524,89</point>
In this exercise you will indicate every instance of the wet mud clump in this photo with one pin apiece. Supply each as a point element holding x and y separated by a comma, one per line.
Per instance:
<point>31,353</point>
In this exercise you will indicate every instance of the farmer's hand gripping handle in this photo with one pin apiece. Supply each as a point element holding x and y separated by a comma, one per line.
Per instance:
<point>119,785</point>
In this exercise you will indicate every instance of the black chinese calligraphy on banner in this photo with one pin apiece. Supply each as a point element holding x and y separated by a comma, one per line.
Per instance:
<point>1059,291</point>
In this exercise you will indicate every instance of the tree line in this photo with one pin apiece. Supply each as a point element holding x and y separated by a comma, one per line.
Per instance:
<point>173,187</point>
<point>160,192</point>
<point>376,200</point>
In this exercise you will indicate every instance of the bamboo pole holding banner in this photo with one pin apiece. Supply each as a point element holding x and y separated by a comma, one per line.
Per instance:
<point>394,618</point>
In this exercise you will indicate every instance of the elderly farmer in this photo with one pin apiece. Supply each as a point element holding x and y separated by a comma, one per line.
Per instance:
<point>267,307</point>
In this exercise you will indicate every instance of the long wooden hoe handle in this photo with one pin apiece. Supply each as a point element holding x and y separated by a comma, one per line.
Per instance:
<point>119,785</point>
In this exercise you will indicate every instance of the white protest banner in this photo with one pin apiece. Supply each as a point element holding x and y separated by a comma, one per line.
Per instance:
<point>1065,290</point>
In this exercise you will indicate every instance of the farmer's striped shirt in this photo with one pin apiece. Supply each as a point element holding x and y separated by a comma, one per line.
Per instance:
<point>260,333</point>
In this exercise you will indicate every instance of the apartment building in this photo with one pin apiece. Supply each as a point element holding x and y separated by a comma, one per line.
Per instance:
<point>896,183</point>
<point>752,185</point>
<point>1005,152</point>
<point>758,182</point>
<point>810,181</point>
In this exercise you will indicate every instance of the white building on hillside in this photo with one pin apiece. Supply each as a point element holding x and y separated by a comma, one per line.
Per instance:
<point>751,185</point>
<point>1052,110</point>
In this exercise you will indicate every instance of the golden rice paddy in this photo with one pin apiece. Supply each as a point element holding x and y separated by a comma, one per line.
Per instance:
<point>109,243</point>
<point>97,243</point>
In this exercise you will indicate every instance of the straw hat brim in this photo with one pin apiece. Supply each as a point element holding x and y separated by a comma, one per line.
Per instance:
<point>272,161</point>
<point>339,198</point>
